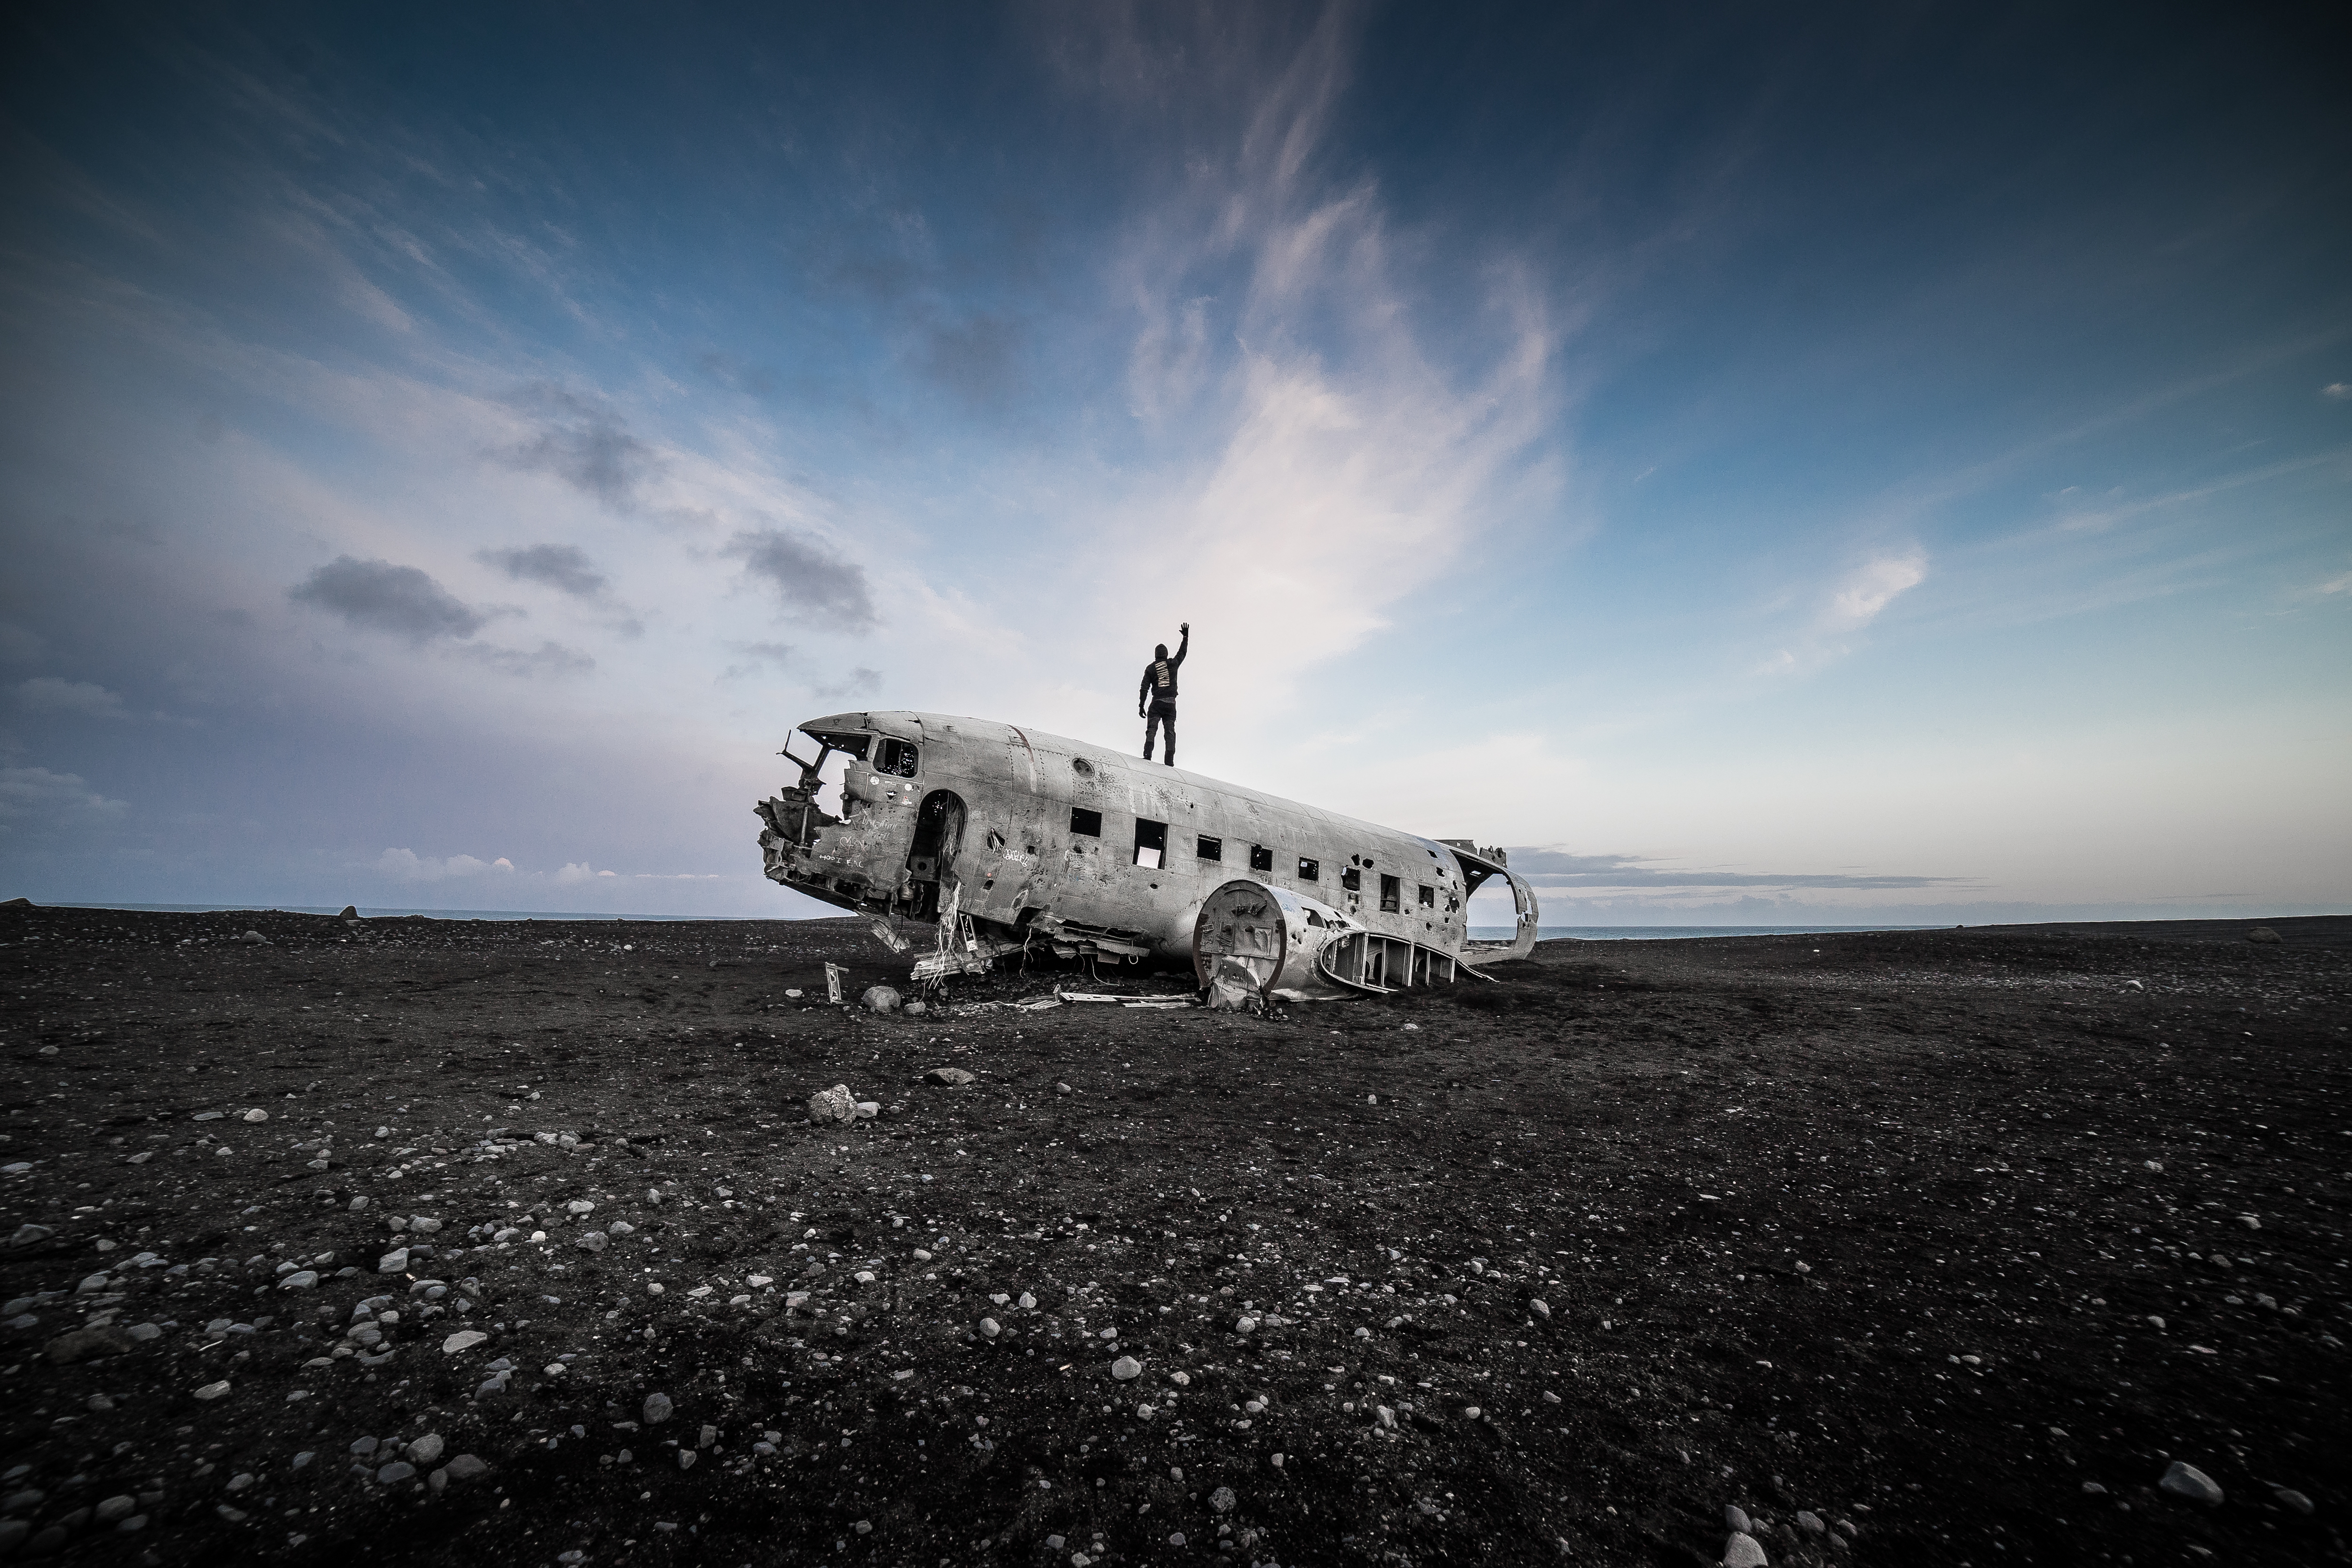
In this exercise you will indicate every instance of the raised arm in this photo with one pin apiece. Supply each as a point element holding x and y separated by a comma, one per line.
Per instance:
<point>1183,644</point>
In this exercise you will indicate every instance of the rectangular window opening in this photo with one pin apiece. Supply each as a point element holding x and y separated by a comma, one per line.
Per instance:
<point>1352,880</point>
<point>1150,843</point>
<point>1261,858</point>
<point>1087,822</point>
<point>1309,869</point>
<point>1207,849</point>
<point>1428,897</point>
<point>897,758</point>
<point>1391,895</point>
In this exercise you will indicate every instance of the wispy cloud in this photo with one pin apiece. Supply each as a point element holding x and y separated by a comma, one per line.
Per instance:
<point>583,443</point>
<point>381,596</point>
<point>1846,608</point>
<point>48,694</point>
<point>562,567</point>
<point>807,576</point>
<point>548,659</point>
<point>407,865</point>
<point>1546,868</point>
<point>33,799</point>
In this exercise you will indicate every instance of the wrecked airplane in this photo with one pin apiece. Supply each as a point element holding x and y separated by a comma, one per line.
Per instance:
<point>1005,840</point>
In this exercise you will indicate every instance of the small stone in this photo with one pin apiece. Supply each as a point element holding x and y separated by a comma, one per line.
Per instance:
<point>27,1235</point>
<point>463,1339</point>
<point>1810,1523</point>
<point>2093,1488</point>
<point>685,1457</point>
<point>300,1279</point>
<point>657,1409</point>
<point>988,1329</point>
<point>425,1450</point>
<point>621,1227</point>
<point>77,1344</point>
<point>213,1390</point>
<point>1176,1538</point>
<point>1744,1550</point>
<point>1126,1368</point>
<point>1472,1413</point>
<point>1736,1520</point>
<point>2187,1480</point>
<point>396,1472</point>
<point>120,1506</point>
<point>879,999</point>
<point>836,1104</point>
<point>1222,1500</point>
<point>1246,1325</point>
<point>256,1114</point>
<point>953,1076</point>
<point>2293,1498</point>
<point>1540,1308</point>
<point>142,1332</point>
<point>392,1262</point>
<point>466,1467</point>
<point>592,1241</point>
<point>2262,934</point>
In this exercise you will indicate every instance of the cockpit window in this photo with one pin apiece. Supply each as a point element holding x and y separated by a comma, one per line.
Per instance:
<point>897,758</point>
<point>853,745</point>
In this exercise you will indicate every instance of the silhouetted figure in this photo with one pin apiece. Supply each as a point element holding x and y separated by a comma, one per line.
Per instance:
<point>1155,699</point>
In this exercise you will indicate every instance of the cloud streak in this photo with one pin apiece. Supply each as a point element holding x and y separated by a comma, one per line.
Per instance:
<point>377,596</point>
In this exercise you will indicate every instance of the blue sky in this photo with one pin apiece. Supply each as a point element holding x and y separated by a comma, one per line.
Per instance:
<point>1871,463</point>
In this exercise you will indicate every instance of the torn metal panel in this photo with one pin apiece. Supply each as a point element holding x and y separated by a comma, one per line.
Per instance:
<point>1001,838</point>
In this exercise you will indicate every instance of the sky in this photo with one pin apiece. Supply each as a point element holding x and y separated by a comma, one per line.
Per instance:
<point>1872,463</point>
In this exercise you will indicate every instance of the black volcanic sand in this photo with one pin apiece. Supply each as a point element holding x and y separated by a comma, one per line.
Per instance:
<point>1879,1228</point>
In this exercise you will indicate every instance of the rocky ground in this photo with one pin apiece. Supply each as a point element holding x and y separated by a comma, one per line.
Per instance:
<point>1915,1247</point>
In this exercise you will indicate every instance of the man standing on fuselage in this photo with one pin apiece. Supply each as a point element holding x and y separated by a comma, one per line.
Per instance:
<point>1155,699</point>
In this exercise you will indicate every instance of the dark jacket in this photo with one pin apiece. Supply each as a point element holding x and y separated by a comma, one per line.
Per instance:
<point>1159,676</point>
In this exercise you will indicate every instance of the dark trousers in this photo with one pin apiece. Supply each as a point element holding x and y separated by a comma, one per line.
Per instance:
<point>1161,714</point>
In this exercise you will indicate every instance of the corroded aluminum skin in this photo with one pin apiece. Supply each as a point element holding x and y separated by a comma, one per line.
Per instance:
<point>1018,866</point>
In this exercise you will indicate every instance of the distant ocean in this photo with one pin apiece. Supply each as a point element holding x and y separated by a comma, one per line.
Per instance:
<point>1666,933</point>
<point>1481,934</point>
<point>376,914</point>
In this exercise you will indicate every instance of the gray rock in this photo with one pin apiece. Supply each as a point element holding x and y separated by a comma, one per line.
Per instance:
<point>1744,1550</point>
<point>122,1506</point>
<point>835,1105</point>
<point>363,1447</point>
<point>2187,1480</point>
<point>1222,1500</point>
<point>300,1279</point>
<point>392,1262</point>
<point>685,1457</point>
<point>1126,1368</point>
<point>1736,1520</point>
<point>1540,1308</point>
<point>27,1235</point>
<point>142,1332</point>
<point>657,1409</point>
<point>425,1450</point>
<point>988,1329</point>
<point>2262,934</point>
<point>77,1344</point>
<point>953,1076</point>
<point>395,1473</point>
<point>463,1339</point>
<point>467,1467</point>
<point>1810,1523</point>
<point>2293,1498</point>
<point>592,1241</point>
<point>879,999</point>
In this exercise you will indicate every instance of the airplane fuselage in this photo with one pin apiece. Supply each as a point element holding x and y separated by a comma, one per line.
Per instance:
<point>1034,834</point>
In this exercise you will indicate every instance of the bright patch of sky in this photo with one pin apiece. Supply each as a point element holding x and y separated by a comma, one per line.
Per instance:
<point>1763,465</point>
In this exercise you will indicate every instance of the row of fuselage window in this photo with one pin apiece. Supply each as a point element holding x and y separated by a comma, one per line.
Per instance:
<point>1151,852</point>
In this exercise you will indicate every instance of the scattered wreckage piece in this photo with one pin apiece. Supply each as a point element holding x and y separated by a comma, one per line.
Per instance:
<point>1005,840</point>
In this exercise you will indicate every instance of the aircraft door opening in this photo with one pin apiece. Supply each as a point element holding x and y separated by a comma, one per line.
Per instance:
<point>938,839</point>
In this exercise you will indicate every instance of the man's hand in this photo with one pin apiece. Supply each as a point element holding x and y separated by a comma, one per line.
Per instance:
<point>1138,710</point>
<point>1186,627</point>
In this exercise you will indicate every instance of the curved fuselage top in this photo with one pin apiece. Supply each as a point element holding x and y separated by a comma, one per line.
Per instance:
<point>1093,836</point>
